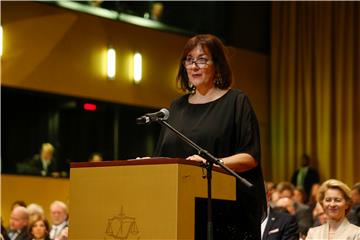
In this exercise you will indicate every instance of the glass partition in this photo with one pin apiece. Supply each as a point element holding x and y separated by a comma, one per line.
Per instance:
<point>75,127</point>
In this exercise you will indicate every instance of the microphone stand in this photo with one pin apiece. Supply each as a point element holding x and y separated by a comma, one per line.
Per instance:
<point>210,161</point>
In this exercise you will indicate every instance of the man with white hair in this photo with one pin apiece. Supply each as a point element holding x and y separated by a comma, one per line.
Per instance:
<point>18,223</point>
<point>59,217</point>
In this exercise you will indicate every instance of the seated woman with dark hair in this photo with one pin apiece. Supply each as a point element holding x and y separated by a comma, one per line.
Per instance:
<point>39,229</point>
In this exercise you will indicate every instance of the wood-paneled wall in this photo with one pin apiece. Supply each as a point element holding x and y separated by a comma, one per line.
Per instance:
<point>55,50</point>
<point>32,189</point>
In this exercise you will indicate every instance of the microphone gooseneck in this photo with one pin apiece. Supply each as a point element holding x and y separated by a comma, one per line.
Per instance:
<point>163,114</point>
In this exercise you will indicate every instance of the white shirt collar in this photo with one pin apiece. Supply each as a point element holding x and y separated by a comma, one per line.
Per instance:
<point>263,224</point>
<point>61,225</point>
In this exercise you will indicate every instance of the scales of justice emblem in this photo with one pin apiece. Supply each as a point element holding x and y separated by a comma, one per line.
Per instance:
<point>122,227</point>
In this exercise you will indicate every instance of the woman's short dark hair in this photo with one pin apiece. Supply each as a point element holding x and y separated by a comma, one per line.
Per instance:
<point>217,51</point>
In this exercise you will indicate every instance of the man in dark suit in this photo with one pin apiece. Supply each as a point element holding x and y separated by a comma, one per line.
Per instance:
<point>18,223</point>
<point>43,164</point>
<point>280,226</point>
<point>305,176</point>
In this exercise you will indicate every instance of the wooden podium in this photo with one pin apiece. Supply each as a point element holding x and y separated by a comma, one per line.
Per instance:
<point>140,199</point>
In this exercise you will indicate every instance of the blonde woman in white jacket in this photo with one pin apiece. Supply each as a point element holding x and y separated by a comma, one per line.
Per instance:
<point>335,198</point>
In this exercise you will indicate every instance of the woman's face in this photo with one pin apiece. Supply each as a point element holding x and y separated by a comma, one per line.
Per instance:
<point>202,73</point>
<point>39,230</point>
<point>334,204</point>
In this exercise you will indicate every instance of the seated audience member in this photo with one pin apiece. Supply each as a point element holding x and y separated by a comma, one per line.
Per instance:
<point>39,229</point>
<point>59,217</point>
<point>354,214</point>
<point>278,225</point>
<point>335,198</point>
<point>299,195</point>
<point>302,213</point>
<point>43,164</point>
<point>35,211</point>
<point>95,157</point>
<point>319,216</point>
<point>19,219</point>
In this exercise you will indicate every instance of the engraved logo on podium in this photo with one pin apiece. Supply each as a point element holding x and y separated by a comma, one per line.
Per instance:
<point>122,227</point>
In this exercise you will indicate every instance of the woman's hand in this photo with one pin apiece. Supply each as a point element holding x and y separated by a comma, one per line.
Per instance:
<point>240,162</point>
<point>196,158</point>
<point>143,157</point>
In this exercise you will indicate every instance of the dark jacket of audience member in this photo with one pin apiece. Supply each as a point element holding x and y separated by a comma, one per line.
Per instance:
<point>35,167</point>
<point>304,218</point>
<point>280,226</point>
<point>22,234</point>
<point>354,215</point>
<point>311,176</point>
<point>4,233</point>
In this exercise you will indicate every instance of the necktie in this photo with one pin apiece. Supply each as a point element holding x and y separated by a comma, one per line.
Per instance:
<point>13,234</point>
<point>54,232</point>
<point>301,177</point>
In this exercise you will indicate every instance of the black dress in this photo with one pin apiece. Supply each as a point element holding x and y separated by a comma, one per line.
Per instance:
<point>223,127</point>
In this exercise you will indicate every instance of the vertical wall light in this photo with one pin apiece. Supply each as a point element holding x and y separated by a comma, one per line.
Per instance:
<point>1,40</point>
<point>137,67</point>
<point>111,63</point>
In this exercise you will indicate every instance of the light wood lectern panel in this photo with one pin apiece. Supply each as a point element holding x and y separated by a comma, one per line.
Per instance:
<point>140,199</point>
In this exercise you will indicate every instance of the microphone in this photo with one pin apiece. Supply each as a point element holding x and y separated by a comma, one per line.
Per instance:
<point>163,114</point>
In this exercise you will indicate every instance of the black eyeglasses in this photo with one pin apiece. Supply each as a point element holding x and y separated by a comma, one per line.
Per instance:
<point>200,62</point>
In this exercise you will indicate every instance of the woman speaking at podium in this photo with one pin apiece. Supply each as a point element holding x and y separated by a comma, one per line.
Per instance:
<point>221,120</point>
